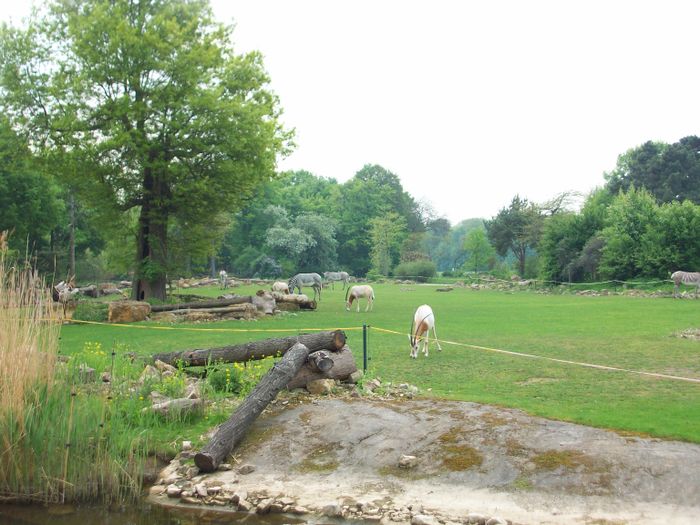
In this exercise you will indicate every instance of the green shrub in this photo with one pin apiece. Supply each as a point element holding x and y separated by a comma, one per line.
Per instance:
<point>224,379</point>
<point>419,271</point>
<point>91,311</point>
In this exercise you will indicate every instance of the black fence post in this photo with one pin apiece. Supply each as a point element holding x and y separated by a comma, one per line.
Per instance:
<point>364,348</point>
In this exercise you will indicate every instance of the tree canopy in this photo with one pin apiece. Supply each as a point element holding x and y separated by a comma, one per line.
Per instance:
<point>151,100</point>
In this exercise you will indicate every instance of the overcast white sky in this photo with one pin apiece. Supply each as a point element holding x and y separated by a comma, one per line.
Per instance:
<point>470,103</point>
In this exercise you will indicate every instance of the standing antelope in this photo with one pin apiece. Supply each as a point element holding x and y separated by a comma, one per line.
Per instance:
<point>689,278</point>
<point>356,292</point>
<point>281,287</point>
<point>423,321</point>
<point>223,279</point>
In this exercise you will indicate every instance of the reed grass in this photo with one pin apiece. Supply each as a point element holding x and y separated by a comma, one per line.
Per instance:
<point>61,439</point>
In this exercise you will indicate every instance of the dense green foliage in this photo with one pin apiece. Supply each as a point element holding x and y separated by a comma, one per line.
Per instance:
<point>154,110</point>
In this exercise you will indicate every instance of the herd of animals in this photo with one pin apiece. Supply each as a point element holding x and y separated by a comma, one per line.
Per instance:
<point>423,319</point>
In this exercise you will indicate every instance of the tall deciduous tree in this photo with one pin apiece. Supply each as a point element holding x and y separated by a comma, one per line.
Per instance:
<point>152,97</point>
<point>478,249</point>
<point>670,172</point>
<point>387,233</point>
<point>516,229</point>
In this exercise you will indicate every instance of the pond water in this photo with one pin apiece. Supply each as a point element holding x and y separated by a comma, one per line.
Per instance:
<point>141,514</point>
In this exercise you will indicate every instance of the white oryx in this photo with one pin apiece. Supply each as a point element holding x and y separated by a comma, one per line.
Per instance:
<point>332,277</point>
<point>281,287</point>
<point>688,278</point>
<point>423,321</point>
<point>223,279</point>
<point>306,279</point>
<point>356,293</point>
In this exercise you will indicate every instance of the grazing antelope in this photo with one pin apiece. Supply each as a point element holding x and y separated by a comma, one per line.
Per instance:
<point>689,278</point>
<point>423,321</point>
<point>332,277</point>
<point>223,279</point>
<point>280,287</point>
<point>307,279</point>
<point>357,292</point>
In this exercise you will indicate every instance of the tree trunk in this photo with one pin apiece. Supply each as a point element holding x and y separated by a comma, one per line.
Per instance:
<point>212,266</point>
<point>151,250</point>
<point>343,366</point>
<point>202,304</point>
<point>332,341</point>
<point>71,238</point>
<point>232,431</point>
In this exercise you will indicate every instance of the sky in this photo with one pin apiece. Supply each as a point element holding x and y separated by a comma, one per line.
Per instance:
<point>470,103</point>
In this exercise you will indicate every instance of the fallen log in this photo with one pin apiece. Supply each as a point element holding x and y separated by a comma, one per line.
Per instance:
<point>327,340</point>
<point>240,299</point>
<point>301,300</point>
<point>232,431</point>
<point>343,364</point>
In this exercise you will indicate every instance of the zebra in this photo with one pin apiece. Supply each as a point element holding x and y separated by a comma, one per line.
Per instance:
<point>331,277</point>
<point>689,278</point>
<point>306,279</point>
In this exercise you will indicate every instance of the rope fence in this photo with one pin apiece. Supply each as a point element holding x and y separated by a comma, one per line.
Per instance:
<point>394,332</point>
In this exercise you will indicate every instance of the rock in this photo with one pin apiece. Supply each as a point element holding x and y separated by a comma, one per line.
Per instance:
<point>201,490</point>
<point>193,391</point>
<point>407,461</point>
<point>128,311</point>
<point>423,519</point>
<point>496,521</point>
<point>149,373</point>
<point>156,490</point>
<point>246,469</point>
<point>191,500</point>
<point>264,506</point>
<point>244,505</point>
<point>285,501</point>
<point>178,407</point>
<point>276,508</point>
<point>320,386</point>
<point>372,384</point>
<point>476,519</point>
<point>298,510</point>
<point>356,376</point>
<point>225,466</point>
<point>173,491</point>
<point>165,367</point>
<point>238,496</point>
<point>332,510</point>
<point>86,374</point>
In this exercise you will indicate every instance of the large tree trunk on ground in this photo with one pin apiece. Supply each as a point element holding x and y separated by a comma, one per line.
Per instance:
<point>214,303</point>
<point>332,341</point>
<point>232,431</point>
<point>299,300</point>
<point>343,366</point>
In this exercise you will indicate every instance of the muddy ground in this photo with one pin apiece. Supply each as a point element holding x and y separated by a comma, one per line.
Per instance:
<point>470,458</point>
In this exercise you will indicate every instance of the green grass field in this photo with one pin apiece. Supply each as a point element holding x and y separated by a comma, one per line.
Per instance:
<point>627,332</point>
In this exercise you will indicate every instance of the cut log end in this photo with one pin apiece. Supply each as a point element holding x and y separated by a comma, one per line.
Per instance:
<point>204,462</point>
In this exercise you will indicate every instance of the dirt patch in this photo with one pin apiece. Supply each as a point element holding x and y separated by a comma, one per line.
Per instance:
<point>470,458</point>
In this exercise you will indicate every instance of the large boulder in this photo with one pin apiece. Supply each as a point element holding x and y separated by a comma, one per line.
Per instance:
<point>128,311</point>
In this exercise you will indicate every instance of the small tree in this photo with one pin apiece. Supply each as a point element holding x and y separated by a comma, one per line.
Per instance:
<point>478,248</point>
<point>386,233</point>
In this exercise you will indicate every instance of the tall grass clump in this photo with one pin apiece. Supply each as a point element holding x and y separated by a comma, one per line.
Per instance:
<point>29,330</point>
<point>63,436</point>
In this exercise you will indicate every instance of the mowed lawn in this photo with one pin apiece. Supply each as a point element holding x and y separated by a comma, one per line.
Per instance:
<point>627,332</point>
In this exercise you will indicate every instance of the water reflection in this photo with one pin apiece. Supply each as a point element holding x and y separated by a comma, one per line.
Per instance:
<point>143,514</point>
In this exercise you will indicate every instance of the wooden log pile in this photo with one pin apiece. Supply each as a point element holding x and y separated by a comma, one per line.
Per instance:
<point>298,367</point>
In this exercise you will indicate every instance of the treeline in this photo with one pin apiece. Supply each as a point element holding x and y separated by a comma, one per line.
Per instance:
<point>642,223</point>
